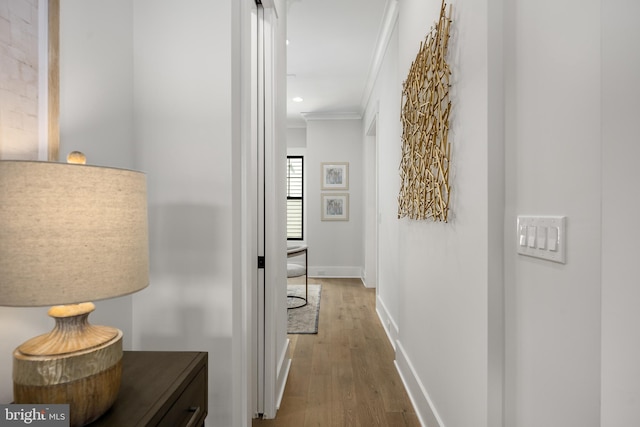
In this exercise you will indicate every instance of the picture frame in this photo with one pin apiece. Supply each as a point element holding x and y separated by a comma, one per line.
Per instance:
<point>334,175</point>
<point>335,207</point>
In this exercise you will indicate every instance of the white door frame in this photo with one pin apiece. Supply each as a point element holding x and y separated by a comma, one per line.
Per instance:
<point>371,222</point>
<point>266,237</point>
<point>244,202</point>
<point>255,393</point>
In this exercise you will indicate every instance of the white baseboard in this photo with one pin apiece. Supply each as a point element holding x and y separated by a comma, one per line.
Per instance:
<point>389,325</point>
<point>283,373</point>
<point>422,403</point>
<point>335,272</point>
<point>367,284</point>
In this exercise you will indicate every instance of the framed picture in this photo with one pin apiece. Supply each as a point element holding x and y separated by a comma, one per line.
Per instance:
<point>335,176</point>
<point>335,207</point>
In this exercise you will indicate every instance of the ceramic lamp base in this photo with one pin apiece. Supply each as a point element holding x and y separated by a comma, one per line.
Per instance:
<point>76,364</point>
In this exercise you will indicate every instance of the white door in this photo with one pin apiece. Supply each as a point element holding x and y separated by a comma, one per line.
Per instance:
<point>263,120</point>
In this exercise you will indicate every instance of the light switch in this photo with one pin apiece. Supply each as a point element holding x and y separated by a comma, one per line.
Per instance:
<point>522,235</point>
<point>541,238</point>
<point>553,238</point>
<point>531,236</point>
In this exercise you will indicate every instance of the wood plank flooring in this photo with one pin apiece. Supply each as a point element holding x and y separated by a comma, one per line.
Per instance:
<point>344,375</point>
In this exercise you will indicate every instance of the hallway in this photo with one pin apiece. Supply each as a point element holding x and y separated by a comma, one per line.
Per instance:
<point>344,375</point>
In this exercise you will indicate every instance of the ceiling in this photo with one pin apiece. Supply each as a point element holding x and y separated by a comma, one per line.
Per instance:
<point>330,52</point>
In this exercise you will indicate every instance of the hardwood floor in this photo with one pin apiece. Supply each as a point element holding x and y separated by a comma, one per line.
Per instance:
<point>344,375</point>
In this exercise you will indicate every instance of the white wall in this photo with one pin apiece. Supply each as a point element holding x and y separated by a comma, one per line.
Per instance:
<point>496,212</point>
<point>182,109</point>
<point>553,310</point>
<point>557,143</point>
<point>96,82</point>
<point>98,65</point>
<point>296,138</point>
<point>620,92</point>
<point>335,247</point>
<point>154,116</point>
<point>444,288</point>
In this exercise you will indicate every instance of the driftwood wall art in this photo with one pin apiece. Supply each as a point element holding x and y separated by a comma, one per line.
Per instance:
<point>426,150</point>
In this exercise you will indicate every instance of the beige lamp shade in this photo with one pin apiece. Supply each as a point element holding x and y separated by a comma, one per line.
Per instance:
<point>71,233</point>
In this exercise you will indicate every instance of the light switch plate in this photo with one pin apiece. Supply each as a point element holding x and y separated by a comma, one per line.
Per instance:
<point>547,226</point>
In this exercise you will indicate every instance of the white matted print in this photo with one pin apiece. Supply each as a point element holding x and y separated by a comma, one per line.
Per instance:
<point>335,176</point>
<point>335,207</point>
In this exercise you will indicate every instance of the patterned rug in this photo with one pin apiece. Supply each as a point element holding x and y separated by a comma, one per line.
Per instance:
<point>303,320</point>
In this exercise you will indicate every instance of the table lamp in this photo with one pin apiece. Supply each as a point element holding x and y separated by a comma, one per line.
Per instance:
<point>70,234</point>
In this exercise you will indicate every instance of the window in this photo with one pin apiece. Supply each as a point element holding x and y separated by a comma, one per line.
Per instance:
<point>295,167</point>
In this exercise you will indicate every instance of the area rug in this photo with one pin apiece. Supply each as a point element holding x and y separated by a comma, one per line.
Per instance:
<point>303,320</point>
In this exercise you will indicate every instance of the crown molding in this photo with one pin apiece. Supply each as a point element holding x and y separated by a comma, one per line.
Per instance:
<point>332,116</point>
<point>384,35</point>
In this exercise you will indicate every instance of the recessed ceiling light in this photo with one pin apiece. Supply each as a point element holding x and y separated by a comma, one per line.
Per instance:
<point>287,42</point>
<point>297,99</point>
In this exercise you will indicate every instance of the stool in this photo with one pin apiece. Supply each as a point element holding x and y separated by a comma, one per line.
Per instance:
<point>295,270</point>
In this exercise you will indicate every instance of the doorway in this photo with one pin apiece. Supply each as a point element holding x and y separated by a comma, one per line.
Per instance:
<point>371,215</point>
<point>270,360</point>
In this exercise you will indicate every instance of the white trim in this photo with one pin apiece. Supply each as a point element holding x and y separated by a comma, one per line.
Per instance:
<point>372,123</point>
<point>283,372</point>
<point>422,403</point>
<point>364,280</point>
<point>297,125</point>
<point>347,115</point>
<point>336,272</point>
<point>265,345</point>
<point>243,231</point>
<point>275,265</point>
<point>388,23</point>
<point>270,4</point>
<point>389,325</point>
<point>370,224</point>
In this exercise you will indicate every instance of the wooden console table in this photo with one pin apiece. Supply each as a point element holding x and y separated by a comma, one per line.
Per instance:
<point>160,388</point>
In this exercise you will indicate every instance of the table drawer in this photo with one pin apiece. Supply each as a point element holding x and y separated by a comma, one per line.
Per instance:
<point>190,408</point>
